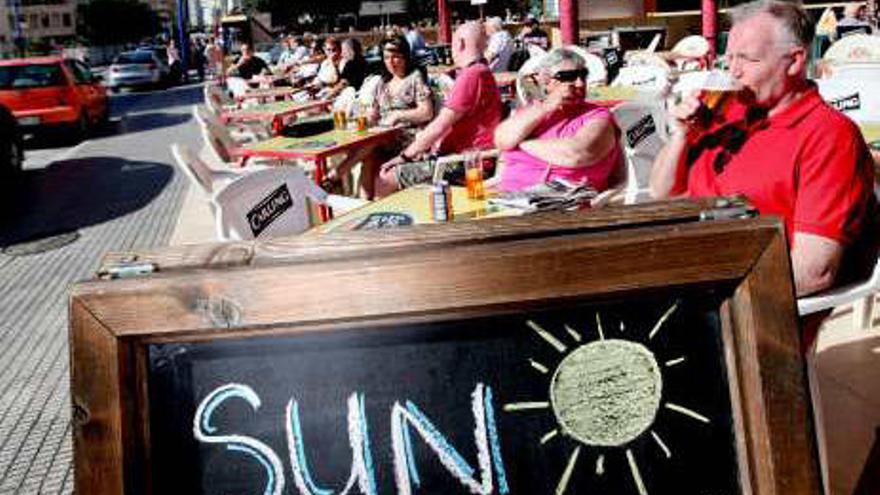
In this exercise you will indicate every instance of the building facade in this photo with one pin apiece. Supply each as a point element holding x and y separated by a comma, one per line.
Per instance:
<point>52,22</point>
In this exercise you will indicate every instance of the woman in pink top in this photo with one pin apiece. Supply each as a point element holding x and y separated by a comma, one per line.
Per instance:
<point>563,136</point>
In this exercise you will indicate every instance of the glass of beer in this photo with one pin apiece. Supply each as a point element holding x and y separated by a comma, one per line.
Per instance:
<point>340,120</point>
<point>717,92</point>
<point>473,176</point>
<point>362,123</point>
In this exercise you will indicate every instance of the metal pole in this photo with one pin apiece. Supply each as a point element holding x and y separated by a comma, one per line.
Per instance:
<point>568,21</point>
<point>183,39</point>
<point>710,26</point>
<point>444,30</point>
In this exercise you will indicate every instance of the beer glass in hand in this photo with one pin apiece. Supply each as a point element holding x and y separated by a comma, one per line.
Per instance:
<point>717,92</point>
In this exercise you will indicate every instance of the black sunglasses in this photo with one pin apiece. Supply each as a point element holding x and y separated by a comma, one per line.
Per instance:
<point>567,76</point>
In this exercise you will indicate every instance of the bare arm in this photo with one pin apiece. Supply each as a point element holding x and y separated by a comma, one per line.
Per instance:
<point>519,126</point>
<point>815,261</point>
<point>591,143</point>
<point>419,115</point>
<point>433,133</point>
<point>668,174</point>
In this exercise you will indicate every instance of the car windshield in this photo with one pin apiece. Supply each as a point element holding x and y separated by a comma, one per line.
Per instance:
<point>30,76</point>
<point>134,58</point>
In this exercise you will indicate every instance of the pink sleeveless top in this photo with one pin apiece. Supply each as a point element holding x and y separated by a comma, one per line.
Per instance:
<point>522,170</point>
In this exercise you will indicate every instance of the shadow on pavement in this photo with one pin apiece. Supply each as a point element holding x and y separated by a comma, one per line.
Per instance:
<point>73,194</point>
<point>181,96</point>
<point>141,122</point>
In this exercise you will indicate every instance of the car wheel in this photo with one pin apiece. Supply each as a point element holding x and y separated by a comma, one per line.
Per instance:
<point>12,156</point>
<point>82,127</point>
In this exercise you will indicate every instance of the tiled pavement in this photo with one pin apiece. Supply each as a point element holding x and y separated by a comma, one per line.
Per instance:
<point>113,204</point>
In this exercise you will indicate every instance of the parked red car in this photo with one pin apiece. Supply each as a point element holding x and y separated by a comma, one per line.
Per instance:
<point>47,92</point>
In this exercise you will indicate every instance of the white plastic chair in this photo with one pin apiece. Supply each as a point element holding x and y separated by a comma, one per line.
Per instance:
<point>239,133</point>
<point>641,138</point>
<point>260,202</point>
<point>207,178</point>
<point>369,90</point>
<point>857,97</point>
<point>649,77</point>
<point>216,100</point>
<point>527,87</point>
<point>598,74</point>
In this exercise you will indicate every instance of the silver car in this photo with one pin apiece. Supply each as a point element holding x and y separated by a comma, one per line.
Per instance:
<point>138,68</point>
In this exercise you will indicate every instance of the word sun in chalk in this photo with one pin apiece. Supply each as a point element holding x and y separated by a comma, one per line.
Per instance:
<point>406,419</point>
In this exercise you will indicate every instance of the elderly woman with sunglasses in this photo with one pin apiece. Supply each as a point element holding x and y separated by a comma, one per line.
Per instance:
<point>562,136</point>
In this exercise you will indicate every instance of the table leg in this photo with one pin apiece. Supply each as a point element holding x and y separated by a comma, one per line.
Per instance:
<point>320,171</point>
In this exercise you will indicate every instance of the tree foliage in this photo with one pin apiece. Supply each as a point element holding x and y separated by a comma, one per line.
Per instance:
<point>117,21</point>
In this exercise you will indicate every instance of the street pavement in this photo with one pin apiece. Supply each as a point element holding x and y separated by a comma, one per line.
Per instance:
<point>117,191</point>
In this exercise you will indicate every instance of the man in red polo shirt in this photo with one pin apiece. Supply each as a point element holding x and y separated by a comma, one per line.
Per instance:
<point>466,121</point>
<point>782,147</point>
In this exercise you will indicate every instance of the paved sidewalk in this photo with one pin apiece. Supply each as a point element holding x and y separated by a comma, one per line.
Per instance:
<point>117,193</point>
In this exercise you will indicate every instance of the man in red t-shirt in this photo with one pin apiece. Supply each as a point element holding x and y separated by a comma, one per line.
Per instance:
<point>782,147</point>
<point>466,121</point>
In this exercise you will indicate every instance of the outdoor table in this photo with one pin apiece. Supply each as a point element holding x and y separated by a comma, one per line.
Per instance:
<point>411,206</point>
<point>318,148</point>
<point>268,94</point>
<point>274,112</point>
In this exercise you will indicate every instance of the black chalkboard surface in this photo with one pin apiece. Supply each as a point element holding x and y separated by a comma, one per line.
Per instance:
<point>616,398</point>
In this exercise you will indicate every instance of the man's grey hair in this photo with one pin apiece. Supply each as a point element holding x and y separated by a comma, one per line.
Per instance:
<point>495,22</point>
<point>796,27</point>
<point>555,57</point>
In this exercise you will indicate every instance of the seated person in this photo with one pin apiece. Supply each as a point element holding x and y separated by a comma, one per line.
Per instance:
<point>782,147</point>
<point>248,65</point>
<point>466,121</point>
<point>328,72</point>
<point>352,66</point>
<point>562,136</point>
<point>500,45</point>
<point>532,34</point>
<point>403,99</point>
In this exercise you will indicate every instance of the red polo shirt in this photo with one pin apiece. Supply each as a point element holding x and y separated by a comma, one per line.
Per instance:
<point>475,95</point>
<point>807,164</point>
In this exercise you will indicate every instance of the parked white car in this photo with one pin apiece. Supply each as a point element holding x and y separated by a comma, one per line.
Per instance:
<point>135,69</point>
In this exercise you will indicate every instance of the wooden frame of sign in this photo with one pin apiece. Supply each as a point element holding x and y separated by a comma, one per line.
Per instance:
<point>514,267</point>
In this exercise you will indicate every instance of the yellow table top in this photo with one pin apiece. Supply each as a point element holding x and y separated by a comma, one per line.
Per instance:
<point>316,145</point>
<point>408,207</point>
<point>870,130</point>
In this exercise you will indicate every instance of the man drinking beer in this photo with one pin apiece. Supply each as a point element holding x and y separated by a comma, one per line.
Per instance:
<point>778,144</point>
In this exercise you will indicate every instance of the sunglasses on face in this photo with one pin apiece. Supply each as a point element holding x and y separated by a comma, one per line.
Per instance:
<point>567,76</point>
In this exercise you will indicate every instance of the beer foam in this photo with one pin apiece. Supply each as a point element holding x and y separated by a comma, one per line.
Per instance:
<point>720,81</point>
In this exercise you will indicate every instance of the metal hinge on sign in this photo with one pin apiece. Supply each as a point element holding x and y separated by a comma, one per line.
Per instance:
<point>729,208</point>
<point>128,268</point>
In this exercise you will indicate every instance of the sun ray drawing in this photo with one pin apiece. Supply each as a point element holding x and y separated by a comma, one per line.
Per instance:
<point>538,366</point>
<point>673,362</point>
<point>661,444</point>
<point>662,320</point>
<point>605,394</point>
<point>547,336</point>
<point>549,436</point>
<point>687,412</point>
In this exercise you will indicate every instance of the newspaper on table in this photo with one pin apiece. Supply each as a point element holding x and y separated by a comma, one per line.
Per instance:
<point>556,194</point>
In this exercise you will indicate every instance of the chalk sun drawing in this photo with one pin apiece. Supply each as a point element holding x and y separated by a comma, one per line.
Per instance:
<point>605,393</point>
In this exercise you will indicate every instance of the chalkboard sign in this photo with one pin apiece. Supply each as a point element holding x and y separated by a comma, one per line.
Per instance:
<point>628,398</point>
<point>659,359</point>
